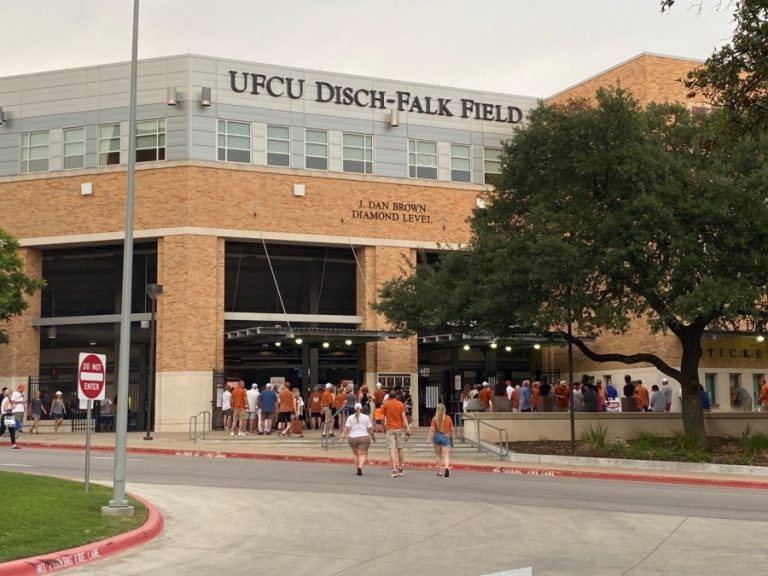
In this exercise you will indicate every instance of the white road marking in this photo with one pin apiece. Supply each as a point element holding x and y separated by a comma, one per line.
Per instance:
<point>517,572</point>
<point>9,465</point>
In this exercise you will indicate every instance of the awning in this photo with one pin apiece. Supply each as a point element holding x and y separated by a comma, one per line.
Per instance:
<point>258,334</point>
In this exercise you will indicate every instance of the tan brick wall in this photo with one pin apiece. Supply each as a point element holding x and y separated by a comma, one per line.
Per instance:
<point>190,310</point>
<point>649,77</point>
<point>379,265</point>
<point>237,198</point>
<point>21,356</point>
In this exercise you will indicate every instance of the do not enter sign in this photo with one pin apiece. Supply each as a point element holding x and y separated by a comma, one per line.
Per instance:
<point>91,376</point>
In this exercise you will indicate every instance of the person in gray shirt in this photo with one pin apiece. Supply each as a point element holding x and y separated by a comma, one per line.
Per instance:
<point>667,393</point>
<point>658,400</point>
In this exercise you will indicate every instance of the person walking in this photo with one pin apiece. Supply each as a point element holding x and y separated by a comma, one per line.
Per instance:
<point>398,431</point>
<point>359,429</point>
<point>58,410</point>
<point>19,406</point>
<point>441,437</point>
<point>6,413</point>
<point>36,409</point>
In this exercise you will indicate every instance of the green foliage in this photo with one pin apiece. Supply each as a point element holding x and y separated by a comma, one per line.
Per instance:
<point>755,443</point>
<point>594,437</point>
<point>736,75</point>
<point>14,284</point>
<point>42,514</point>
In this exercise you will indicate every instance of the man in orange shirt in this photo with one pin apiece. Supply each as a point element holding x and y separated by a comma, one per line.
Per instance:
<point>642,397</point>
<point>561,396</point>
<point>326,406</point>
<point>378,396</point>
<point>239,402</point>
<point>763,394</point>
<point>398,431</point>
<point>485,396</point>
<point>286,405</point>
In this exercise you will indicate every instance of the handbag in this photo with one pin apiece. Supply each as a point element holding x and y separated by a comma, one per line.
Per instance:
<point>9,421</point>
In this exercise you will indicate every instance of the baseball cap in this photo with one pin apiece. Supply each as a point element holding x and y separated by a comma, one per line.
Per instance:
<point>329,385</point>
<point>358,406</point>
<point>269,384</point>
<point>486,384</point>
<point>59,393</point>
<point>664,380</point>
<point>254,385</point>
<point>379,384</point>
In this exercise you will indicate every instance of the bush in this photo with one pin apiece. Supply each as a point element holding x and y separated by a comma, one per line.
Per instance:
<point>594,437</point>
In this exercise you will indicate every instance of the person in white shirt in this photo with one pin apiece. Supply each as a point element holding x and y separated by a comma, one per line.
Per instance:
<point>252,399</point>
<point>19,406</point>
<point>226,407</point>
<point>509,389</point>
<point>667,391</point>
<point>359,429</point>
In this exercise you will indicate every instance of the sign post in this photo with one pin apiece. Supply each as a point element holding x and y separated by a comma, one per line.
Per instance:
<point>91,380</point>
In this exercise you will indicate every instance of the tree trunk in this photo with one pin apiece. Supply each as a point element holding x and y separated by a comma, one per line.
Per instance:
<point>693,415</point>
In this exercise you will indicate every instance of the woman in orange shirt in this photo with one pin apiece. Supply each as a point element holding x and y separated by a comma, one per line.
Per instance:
<point>441,437</point>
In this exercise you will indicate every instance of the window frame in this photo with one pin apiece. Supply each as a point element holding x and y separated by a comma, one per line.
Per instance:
<point>160,136</point>
<point>64,143</point>
<point>108,153</point>
<point>29,147</point>
<point>307,155</point>
<point>226,149</point>
<point>273,139</point>
<point>415,168</point>
<point>486,160</point>
<point>366,148</point>
<point>468,158</point>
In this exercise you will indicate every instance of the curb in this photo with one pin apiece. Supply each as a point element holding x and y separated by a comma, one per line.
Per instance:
<point>88,553</point>
<point>481,468</point>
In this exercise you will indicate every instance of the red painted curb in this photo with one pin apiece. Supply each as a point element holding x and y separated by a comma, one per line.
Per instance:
<point>64,559</point>
<point>484,468</point>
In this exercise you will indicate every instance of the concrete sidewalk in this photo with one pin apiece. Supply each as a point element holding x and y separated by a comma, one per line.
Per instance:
<point>464,457</point>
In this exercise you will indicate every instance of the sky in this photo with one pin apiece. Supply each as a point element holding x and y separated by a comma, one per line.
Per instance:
<point>531,48</point>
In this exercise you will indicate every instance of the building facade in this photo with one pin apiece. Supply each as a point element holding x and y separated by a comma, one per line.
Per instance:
<point>271,204</point>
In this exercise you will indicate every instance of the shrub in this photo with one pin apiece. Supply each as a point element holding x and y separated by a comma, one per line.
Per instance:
<point>594,437</point>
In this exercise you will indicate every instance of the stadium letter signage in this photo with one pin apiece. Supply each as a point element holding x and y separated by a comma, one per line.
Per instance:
<point>326,92</point>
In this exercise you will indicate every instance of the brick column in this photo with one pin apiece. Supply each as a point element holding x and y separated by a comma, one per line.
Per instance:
<point>20,358</point>
<point>190,327</point>
<point>380,264</point>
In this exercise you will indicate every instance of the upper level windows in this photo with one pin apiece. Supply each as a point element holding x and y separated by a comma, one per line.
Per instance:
<point>35,151</point>
<point>491,165</point>
<point>150,140</point>
<point>278,145</point>
<point>316,149</point>
<point>234,141</point>
<point>74,147</point>
<point>109,144</point>
<point>357,153</point>
<point>422,159</point>
<point>461,170</point>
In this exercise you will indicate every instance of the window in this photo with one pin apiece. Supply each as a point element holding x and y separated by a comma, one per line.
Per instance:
<point>357,153</point>
<point>460,163</point>
<point>150,140</point>
<point>422,159</point>
<point>316,149</point>
<point>34,151</point>
<point>491,165</point>
<point>278,145</point>
<point>234,141</point>
<point>74,147</point>
<point>109,144</point>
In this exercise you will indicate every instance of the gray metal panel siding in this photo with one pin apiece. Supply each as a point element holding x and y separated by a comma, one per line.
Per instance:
<point>9,154</point>
<point>177,138</point>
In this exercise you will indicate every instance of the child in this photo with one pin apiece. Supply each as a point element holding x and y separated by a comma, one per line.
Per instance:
<point>378,416</point>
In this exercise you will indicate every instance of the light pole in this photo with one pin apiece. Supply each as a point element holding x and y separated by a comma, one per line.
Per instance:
<point>153,291</point>
<point>570,373</point>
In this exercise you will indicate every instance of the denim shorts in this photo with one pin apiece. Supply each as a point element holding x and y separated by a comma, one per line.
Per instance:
<point>440,439</point>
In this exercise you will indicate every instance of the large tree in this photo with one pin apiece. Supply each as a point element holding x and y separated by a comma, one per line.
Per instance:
<point>14,283</point>
<point>614,214</point>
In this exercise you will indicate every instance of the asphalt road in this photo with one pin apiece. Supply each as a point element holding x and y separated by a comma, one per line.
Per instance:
<point>262,517</point>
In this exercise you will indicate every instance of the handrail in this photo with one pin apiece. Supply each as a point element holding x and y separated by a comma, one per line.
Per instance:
<point>193,425</point>
<point>326,438</point>
<point>502,451</point>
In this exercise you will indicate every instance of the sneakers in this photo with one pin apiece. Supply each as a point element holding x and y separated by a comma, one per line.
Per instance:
<point>231,433</point>
<point>359,472</point>
<point>16,447</point>
<point>241,433</point>
<point>400,472</point>
<point>395,474</point>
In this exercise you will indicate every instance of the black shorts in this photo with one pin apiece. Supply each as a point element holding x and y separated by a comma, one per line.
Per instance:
<point>283,416</point>
<point>315,414</point>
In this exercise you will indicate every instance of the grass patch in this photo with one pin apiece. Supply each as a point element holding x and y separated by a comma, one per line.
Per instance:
<point>42,514</point>
<point>594,437</point>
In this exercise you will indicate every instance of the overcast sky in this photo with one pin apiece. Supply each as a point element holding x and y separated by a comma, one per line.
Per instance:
<point>532,48</point>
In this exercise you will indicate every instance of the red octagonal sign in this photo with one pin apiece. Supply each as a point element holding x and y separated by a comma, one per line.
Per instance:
<point>91,376</point>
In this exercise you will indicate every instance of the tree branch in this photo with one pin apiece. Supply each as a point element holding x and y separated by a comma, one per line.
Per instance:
<point>626,358</point>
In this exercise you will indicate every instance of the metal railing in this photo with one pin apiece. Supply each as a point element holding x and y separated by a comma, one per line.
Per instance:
<point>205,425</point>
<point>326,437</point>
<point>499,449</point>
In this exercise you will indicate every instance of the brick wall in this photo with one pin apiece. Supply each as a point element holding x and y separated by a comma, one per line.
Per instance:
<point>21,356</point>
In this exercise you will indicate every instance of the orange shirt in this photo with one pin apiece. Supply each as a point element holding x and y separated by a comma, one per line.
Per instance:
<point>285,401</point>
<point>393,414</point>
<point>341,398</point>
<point>641,393</point>
<point>764,395</point>
<point>326,400</point>
<point>485,397</point>
<point>378,396</point>
<point>561,395</point>
<point>239,398</point>
<point>447,425</point>
<point>516,398</point>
